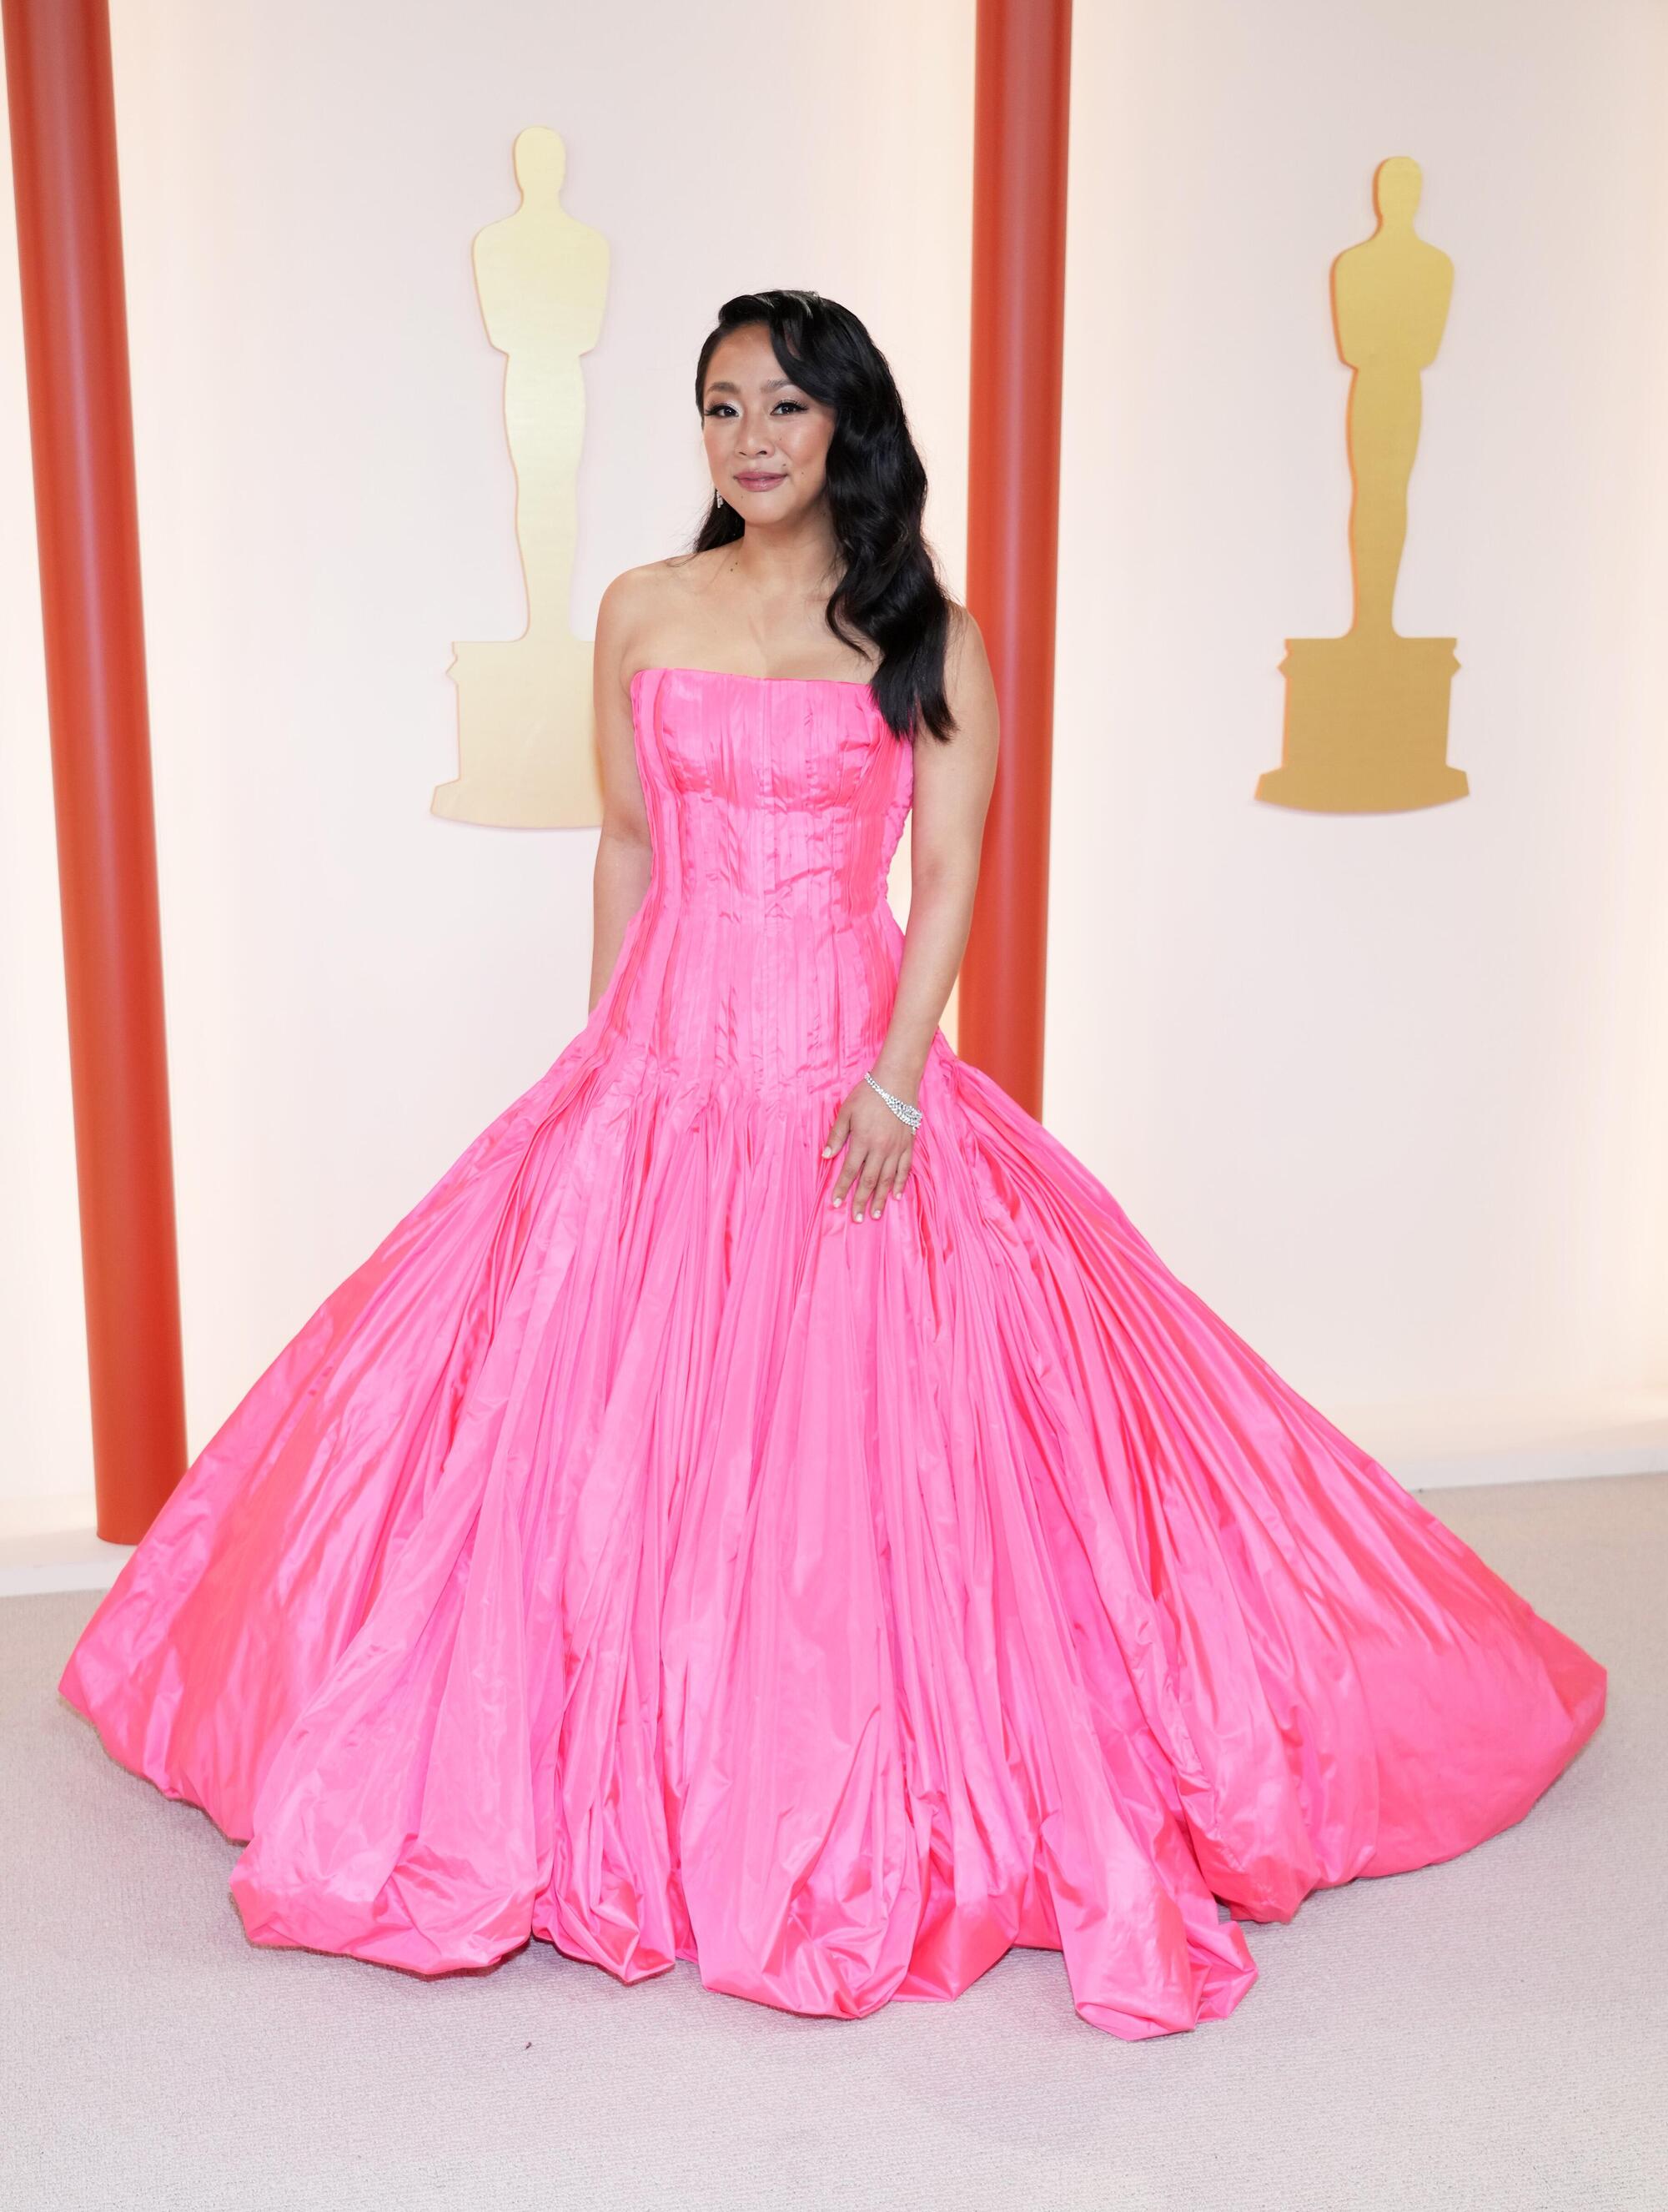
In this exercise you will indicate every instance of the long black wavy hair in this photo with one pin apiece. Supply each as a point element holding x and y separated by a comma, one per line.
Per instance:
<point>889,595</point>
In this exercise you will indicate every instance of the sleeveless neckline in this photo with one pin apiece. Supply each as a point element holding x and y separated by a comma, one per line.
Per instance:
<point>734,676</point>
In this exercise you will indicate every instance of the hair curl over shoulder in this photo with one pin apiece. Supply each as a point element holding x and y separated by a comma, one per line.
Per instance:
<point>889,596</point>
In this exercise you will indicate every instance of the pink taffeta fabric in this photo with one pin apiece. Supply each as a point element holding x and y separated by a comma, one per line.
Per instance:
<point>638,1551</point>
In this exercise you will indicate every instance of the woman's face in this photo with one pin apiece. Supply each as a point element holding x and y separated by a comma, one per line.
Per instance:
<point>766,438</point>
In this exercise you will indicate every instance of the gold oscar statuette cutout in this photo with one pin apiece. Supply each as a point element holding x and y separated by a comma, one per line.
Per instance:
<point>1367,714</point>
<point>526,743</point>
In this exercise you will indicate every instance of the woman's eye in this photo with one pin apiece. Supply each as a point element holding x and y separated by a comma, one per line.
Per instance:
<point>720,407</point>
<point>793,406</point>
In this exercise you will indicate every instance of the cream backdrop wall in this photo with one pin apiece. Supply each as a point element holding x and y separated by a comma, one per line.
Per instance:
<point>1390,1092</point>
<point>1387,1091</point>
<point>354,988</point>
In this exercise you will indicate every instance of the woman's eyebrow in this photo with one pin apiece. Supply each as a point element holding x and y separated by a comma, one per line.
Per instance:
<point>775,384</point>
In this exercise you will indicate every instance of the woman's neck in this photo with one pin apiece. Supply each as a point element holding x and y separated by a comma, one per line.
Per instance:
<point>798,559</point>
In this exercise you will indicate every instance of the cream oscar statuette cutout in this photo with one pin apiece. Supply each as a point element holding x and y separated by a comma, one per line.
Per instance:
<point>526,745</point>
<point>1367,714</point>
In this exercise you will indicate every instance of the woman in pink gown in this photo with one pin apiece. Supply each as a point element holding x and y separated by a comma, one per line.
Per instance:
<point>767,1505</point>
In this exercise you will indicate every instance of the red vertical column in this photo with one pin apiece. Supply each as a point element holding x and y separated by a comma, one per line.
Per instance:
<point>1021,110</point>
<point>74,330</point>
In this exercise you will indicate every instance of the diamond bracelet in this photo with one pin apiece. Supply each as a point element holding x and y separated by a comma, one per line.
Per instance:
<point>900,1106</point>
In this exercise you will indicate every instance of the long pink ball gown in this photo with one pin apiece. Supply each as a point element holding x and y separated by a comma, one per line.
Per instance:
<point>638,1551</point>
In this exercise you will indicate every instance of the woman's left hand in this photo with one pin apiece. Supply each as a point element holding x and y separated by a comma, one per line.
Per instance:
<point>879,1148</point>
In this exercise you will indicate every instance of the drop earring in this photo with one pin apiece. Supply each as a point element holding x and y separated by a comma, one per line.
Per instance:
<point>718,495</point>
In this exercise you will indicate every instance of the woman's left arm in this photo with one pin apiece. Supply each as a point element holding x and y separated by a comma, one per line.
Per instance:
<point>951,796</point>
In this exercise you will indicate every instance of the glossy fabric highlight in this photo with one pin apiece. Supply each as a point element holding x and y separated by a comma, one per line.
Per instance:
<point>638,1552</point>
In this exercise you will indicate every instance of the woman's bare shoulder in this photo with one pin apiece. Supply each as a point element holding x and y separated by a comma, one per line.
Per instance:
<point>642,605</point>
<point>655,584</point>
<point>964,634</point>
<point>966,666</point>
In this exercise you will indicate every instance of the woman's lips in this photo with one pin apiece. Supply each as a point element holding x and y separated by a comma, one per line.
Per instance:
<point>761,482</point>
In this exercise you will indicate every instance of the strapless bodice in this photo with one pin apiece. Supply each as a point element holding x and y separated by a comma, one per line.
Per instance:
<point>764,948</point>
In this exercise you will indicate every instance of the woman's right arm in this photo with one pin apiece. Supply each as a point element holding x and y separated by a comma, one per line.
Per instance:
<point>624,853</point>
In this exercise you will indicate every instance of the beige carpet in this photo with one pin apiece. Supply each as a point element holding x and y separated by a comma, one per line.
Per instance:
<point>1489,2034</point>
